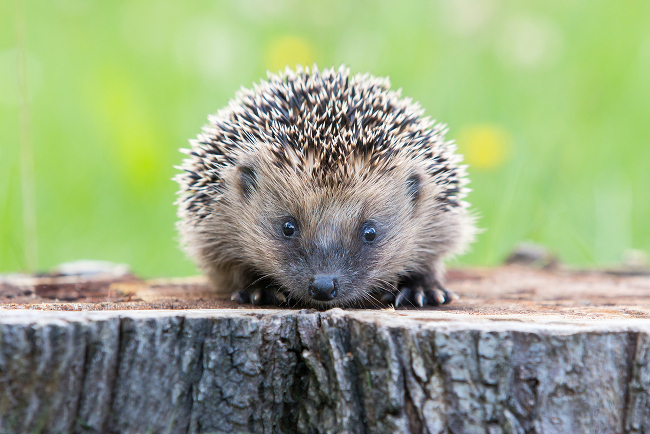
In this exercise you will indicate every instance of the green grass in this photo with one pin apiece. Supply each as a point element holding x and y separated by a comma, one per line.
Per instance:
<point>560,91</point>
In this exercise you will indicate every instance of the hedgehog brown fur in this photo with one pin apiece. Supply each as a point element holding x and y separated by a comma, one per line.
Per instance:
<point>324,189</point>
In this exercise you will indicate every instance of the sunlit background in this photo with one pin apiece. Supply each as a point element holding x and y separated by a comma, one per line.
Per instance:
<point>548,100</point>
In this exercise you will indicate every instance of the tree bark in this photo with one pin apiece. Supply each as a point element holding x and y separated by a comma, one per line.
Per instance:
<point>283,371</point>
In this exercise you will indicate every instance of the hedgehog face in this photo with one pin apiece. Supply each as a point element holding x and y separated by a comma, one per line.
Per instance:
<point>326,245</point>
<point>327,257</point>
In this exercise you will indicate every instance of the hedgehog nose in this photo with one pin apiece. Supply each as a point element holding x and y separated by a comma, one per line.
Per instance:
<point>323,287</point>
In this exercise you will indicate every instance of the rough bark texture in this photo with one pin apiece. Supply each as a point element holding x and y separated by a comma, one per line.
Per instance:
<point>272,371</point>
<point>524,351</point>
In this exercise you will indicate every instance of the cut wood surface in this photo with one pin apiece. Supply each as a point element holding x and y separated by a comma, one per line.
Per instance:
<point>523,351</point>
<point>508,290</point>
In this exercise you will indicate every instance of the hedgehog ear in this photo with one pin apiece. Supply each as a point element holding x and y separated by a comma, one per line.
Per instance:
<point>413,184</point>
<point>248,181</point>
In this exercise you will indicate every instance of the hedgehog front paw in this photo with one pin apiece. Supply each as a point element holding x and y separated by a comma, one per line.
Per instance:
<point>418,294</point>
<point>258,295</point>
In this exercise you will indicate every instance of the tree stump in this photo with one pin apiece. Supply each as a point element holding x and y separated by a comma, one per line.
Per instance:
<point>523,351</point>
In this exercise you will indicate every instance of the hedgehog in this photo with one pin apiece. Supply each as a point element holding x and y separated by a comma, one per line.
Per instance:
<point>323,189</point>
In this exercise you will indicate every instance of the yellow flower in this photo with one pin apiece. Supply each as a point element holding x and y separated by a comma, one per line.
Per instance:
<point>288,51</point>
<point>485,146</point>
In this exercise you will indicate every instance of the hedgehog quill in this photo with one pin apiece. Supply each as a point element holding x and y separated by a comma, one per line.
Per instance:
<point>324,189</point>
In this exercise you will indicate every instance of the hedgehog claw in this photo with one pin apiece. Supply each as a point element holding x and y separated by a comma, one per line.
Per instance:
<point>439,296</point>
<point>239,297</point>
<point>256,297</point>
<point>447,295</point>
<point>280,297</point>
<point>419,297</point>
<point>399,297</point>
<point>260,294</point>
<point>422,294</point>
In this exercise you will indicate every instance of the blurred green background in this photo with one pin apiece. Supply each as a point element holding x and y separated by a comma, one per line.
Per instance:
<point>549,100</point>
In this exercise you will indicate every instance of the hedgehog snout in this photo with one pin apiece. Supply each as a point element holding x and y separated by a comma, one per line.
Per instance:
<point>323,287</point>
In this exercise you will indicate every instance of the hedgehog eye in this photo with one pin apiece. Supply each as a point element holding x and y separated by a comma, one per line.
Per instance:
<point>288,229</point>
<point>413,187</point>
<point>369,234</point>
